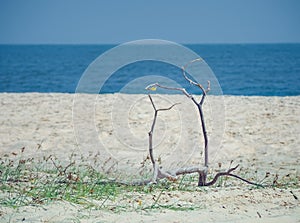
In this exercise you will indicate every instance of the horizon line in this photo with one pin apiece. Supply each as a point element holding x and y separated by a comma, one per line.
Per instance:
<point>192,43</point>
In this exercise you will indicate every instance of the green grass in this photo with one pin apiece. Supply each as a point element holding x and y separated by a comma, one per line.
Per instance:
<point>25,182</point>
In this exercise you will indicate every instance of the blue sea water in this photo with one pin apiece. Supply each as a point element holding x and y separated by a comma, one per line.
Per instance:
<point>241,69</point>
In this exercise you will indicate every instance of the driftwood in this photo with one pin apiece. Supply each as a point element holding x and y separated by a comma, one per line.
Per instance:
<point>159,173</point>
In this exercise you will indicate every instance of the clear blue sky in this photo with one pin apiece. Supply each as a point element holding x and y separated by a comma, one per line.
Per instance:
<point>183,21</point>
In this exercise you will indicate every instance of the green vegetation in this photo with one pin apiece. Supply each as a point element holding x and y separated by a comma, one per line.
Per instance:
<point>34,182</point>
<point>28,181</point>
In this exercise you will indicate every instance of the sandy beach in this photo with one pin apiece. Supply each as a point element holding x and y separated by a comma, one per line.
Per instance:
<point>261,134</point>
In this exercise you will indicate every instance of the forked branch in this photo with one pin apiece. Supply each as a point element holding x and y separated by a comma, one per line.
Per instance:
<point>157,173</point>
<point>228,173</point>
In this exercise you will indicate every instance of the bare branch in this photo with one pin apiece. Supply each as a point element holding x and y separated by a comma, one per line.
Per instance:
<point>204,91</point>
<point>153,87</point>
<point>166,109</point>
<point>247,181</point>
<point>220,174</point>
<point>188,170</point>
<point>153,105</point>
<point>184,73</point>
<point>228,173</point>
<point>156,171</point>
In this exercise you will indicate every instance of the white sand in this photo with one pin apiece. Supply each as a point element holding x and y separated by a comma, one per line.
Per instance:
<point>259,133</point>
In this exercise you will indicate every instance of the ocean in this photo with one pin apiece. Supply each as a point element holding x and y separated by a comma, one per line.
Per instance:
<point>241,69</point>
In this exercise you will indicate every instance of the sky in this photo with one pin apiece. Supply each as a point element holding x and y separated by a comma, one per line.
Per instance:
<point>117,21</point>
